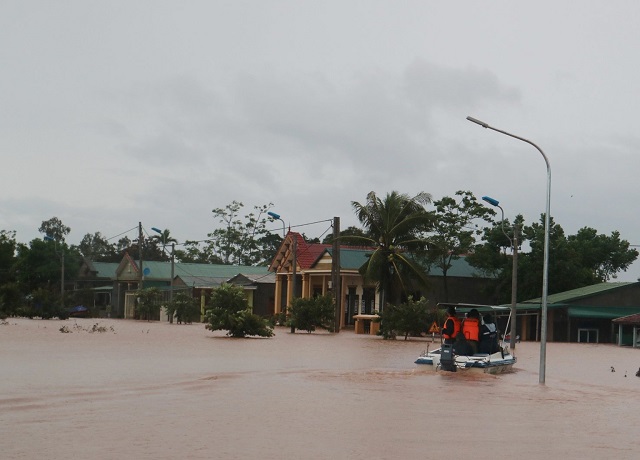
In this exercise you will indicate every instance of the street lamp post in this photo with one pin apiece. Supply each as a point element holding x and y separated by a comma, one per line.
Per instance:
<point>61,254</point>
<point>545,266</point>
<point>514,270</point>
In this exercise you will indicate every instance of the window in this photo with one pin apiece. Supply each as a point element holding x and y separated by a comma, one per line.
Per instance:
<point>588,335</point>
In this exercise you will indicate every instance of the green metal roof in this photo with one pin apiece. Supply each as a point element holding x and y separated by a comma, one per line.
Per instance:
<point>460,268</point>
<point>162,270</point>
<point>601,312</point>
<point>354,258</point>
<point>106,269</point>
<point>580,293</point>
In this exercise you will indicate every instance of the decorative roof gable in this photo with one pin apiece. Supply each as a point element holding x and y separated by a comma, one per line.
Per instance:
<point>306,254</point>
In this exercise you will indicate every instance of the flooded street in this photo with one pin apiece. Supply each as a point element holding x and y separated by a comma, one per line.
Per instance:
<point>143,390</point>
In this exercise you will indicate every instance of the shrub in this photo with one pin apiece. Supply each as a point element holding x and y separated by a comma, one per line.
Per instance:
<point>411,318</point>
<point>184,307</point>
<point>10,299</point>
<point>230,311</point>
<point>148,303</point>
<point>308,314</point>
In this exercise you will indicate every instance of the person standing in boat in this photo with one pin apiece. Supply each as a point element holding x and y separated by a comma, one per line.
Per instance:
<point>488,335</point>
<point>471,329</point>
<point>451,326</point>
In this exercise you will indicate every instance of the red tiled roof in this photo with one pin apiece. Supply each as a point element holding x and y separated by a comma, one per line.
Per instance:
<point>629,320</point>
<point>307,257</point>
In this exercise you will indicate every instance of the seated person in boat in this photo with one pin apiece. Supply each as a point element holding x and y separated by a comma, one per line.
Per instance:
<point>488,335</point>
<point>462,346</point>
<point>451,326</point>
<point>471,329</point>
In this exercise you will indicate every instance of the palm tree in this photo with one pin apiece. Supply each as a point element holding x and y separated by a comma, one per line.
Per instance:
<point>163,238</point>
<point>394,225</point>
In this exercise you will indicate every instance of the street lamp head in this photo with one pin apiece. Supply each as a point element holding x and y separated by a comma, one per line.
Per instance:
<point>491,201</point>
<point>48,238</point>
<point>276,216</point>
<point>157,230</point>
<point>478,122</point>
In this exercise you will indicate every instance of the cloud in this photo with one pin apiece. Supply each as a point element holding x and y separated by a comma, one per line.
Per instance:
<point>429,86</point>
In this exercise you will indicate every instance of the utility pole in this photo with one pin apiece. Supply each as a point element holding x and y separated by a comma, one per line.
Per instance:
<point>61,275</point>
<point>173,263</point>
<point>335,272</point>
<point>140,244</point>
<point>294,275</point>
<point>514,289</point>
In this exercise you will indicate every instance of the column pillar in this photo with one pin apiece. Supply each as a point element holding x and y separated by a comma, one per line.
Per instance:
<point>289,289</point>
<point>278,295</point>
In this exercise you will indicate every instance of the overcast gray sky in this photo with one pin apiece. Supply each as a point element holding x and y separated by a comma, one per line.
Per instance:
<point>119,112</point>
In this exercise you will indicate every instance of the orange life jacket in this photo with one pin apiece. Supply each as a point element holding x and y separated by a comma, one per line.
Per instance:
<point>471,329</point>
<point>456,327</point>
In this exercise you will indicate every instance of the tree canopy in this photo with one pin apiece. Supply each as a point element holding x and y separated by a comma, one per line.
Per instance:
<point>406,236</point>
<point>394,226</point>
<point>455,229</point>
<point>229,310</point>
<point>574,261</point>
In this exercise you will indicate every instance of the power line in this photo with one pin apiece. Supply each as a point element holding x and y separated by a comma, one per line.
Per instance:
<point>127,231</point>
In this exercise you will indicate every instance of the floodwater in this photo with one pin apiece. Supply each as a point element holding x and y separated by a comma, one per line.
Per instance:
<point>143,390</point>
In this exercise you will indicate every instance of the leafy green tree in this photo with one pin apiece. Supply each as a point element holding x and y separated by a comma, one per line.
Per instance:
<point>269,244</point>
<point>603,255</point>
<point>98,249</point>
<point>148,303</point>
<point>38,265</point>
<point>55,229</point>
<point>11,299</point>
<point>310,313</point>
<point>230,311</point>
<point>351,236</point>
<point>394,226</point>
<point>454,230</point>
<point>565,271</point>
<point>123,245</point>
<point>193,252</point>
<point>492,259</point>
<point>411,318</point>
<point>574,261</point>
<point>239,241</point>
<point>8,248</point>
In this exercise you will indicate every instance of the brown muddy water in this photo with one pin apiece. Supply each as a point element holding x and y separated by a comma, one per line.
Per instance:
<point>143,390</point>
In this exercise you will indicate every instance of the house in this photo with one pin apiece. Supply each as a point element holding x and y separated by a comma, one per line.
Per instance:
<point>99,277</point>
<point>585,314</point>
<point>119,282</point>
<point>628,330</point>
<point>260,291</point>
<point>306,269</point>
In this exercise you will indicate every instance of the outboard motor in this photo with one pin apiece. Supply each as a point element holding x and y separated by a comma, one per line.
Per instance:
<point>446,358</point>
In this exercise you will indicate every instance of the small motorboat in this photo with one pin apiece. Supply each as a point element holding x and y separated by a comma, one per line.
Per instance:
<point>445,358</point>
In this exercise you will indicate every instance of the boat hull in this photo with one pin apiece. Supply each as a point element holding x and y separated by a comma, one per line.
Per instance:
<point>496,363</point>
